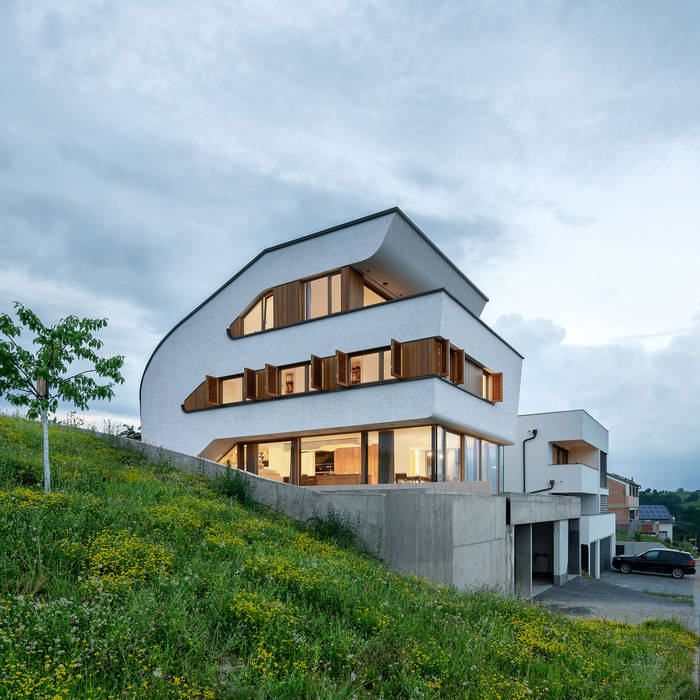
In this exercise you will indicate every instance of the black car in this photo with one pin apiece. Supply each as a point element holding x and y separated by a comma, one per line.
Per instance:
<point>660,561</point>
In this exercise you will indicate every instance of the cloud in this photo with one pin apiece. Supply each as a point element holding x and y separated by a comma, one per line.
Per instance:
<point>149,151</point>
<point>648,399</point>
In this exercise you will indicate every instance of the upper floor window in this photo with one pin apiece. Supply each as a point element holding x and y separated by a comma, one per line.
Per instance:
<point>559,455</point>
<point>232,390</point>
<point>293,380</point>
<point>370,297</point>
<point>364,368</point>
<point>260,317</point>
<point>322,296</point>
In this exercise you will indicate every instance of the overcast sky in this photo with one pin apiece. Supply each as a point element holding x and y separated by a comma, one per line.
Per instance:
<point>149,150</point>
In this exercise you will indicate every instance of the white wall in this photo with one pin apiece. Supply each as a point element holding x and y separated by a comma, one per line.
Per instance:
<point>552,427</point>
<point>200,346</point>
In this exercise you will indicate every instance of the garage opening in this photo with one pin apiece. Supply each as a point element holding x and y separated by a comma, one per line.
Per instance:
<point>574,566</point>
<point>543,554</point>
<point>584,558</point>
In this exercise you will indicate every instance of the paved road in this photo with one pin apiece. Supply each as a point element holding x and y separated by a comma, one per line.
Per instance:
<point>626,603</point>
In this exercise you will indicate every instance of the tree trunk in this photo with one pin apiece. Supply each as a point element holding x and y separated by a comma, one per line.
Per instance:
<point>47,468</point>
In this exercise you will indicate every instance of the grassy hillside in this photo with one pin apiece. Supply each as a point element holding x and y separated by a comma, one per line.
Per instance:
<point>132,580</point>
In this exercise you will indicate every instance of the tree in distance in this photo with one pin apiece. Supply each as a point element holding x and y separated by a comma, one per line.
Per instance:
<point>39,379</point>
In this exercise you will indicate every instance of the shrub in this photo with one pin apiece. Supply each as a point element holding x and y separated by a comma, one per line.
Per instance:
<point>335,527</point>
<point>235,486</point>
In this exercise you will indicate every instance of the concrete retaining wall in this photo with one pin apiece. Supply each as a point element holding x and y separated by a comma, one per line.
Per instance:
<point>440,532</point>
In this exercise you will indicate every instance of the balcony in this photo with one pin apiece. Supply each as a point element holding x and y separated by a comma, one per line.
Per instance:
<point>574,479</point>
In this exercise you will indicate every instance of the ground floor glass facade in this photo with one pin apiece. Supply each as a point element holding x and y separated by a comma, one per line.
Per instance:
<point>411,455</point>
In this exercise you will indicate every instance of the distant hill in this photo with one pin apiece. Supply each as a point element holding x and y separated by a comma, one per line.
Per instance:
<point>683,505</point>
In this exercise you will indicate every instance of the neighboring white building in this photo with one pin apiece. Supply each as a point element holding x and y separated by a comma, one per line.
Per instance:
<point>656,520</point>
<point>565,453</point>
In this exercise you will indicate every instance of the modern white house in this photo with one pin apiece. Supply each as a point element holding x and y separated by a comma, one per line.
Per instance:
<point>355,355</point>
<point>352,365</point>
<point>565,453</point>
<point>656,520</point>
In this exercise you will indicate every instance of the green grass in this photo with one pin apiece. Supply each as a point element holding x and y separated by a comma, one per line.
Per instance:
<point>133,580</point>
<point>678,597</point>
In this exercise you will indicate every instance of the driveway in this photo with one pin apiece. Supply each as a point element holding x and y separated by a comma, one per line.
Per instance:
<point>625,598</point>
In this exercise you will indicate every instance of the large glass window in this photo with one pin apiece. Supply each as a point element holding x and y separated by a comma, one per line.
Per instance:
<point>231,458</point>
<point>559,455</point>
<point>275,460</point>
<point>471,458</point>
<point>413,455</point>
<point>252,321</point>
<point>453,456</point>
<point>489,464</point>
<point>232,390</point>
<point>364,368</point>
<point>386,362</point>
<point>316,298</point>
<point>486,385</point>
<point>260,317</point>
<point>370,297</point>
<point>331,459</point>
<point>293,380</point>
<point>335,293</point>
<point>373,457</point>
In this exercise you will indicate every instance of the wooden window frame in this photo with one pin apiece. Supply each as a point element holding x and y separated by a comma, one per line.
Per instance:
<point>213,391</point>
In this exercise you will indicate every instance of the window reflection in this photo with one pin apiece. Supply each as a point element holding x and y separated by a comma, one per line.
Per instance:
<point>230,458</point>
<point>453,456</point>
<point>373,457</point>
<point>413,455</point>
<point>335,293</point>
<point>364,368</point>
<point>370,297</point>
<point>471,458</point>
<point>316,298</point>
<point>274,460</point>
<point>489,464</point>
<point>232,390</point>
<point>331,460</point>
<point>293,380</point>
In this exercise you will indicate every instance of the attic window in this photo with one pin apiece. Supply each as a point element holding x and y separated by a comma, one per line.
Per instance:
<point>260,317</point>
<point>370,297</point>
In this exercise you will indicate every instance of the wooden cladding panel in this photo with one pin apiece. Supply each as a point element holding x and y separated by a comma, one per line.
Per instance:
<point>271,380</point>
<point>341,368</point>
<point>442,357</point>
<point>420,357</point>
<point>250,384</point>
<point>212,391</point>
<point>457,365</point>
<point>316,373</point>
<point>396,359</point>
<point>352,295</point>
<point>288,303</point>
<point>197,399</point>
<point>235,330</point>
<point>497,387</point>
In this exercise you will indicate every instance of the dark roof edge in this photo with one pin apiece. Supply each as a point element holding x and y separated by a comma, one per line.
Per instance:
<point>338,227</point>
<point>626,479</point>
<point>569,410</point>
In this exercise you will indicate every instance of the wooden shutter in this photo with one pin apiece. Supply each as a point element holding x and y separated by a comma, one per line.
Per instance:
<point>459,366</point>
<point>250,385</point>
<point>197,399</point>
<point>316,373</point>
<point>396,359</point>
<point>497,387</point>
<point>288,303</point>
<point>443,357</point>
<point>341,368</point>
<point>271,380</point>
<point>212,391</point>
<point>235,330</point>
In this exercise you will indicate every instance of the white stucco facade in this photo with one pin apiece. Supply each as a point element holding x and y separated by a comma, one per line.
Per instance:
<point>431,298</point>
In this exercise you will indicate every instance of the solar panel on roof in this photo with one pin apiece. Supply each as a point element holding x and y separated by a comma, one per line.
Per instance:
<point>654,512</point>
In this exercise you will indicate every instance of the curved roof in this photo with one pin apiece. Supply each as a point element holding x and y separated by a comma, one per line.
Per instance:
<point>402,263</point>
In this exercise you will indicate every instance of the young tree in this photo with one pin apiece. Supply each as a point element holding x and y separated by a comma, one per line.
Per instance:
<point>39,379</point>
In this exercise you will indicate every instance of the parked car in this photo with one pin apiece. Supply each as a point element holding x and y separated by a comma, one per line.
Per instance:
<point>661,561</point>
